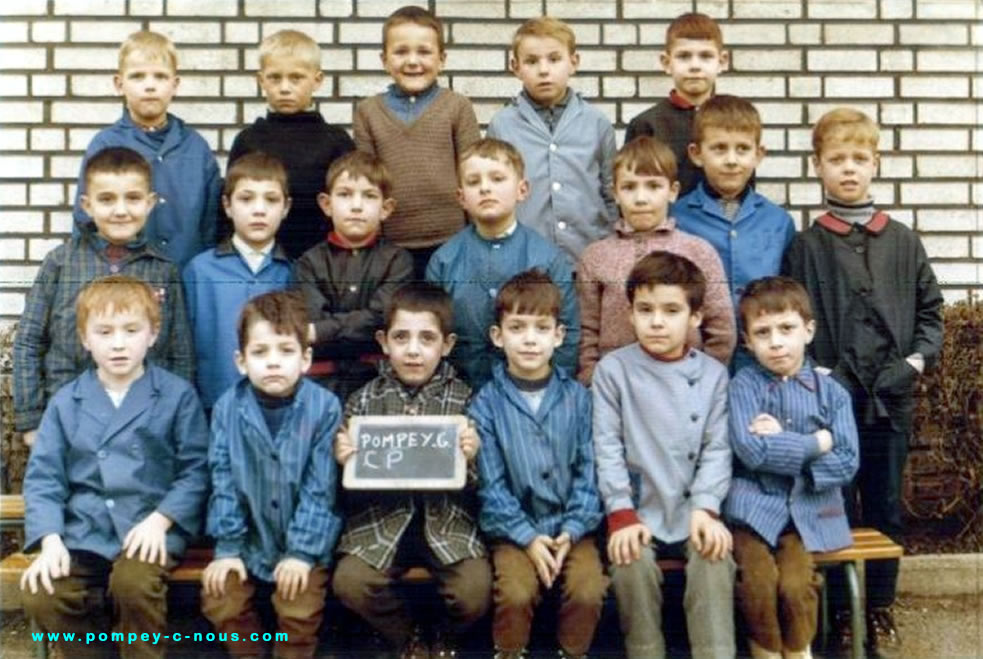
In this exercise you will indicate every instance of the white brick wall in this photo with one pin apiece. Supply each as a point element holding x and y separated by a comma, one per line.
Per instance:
<point>913,64</point>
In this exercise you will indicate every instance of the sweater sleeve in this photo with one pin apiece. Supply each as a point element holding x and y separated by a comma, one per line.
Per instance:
<point>718,328</point>
<point>837,467</point>
<point>46,481</point>
<point>582,513</point>
<point>180,353</point>
<point>928,310</point>
<point>589,292</point>
<point>712,479</point>
<point>466,130</point>
<point>609,449</point>
<point>186,497</point>
<point>226,520</point>
<point>362,130</point>
<point>562,276</point>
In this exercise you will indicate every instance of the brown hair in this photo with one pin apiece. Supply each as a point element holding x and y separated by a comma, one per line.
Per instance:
<point>118,160</point>
<point>845,125</point>
<point>422,296</point>
<point>545,26</point>
<point>694,26</point>
<point>151,44</point>
<point>284,310</point>
<point>417,16</point>
<point>290,43</point>
<point>256,166</point>
<point>646,156</point>
<point>360,163</point>
<point>529,292</point>
<point>489,147</point>
<point>729,113</point>
<point>119,293</point>
<point>773,295</point>
<point>668,269</point>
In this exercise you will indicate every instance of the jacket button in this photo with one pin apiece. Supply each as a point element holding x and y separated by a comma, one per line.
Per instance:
<point>110,503</point>
<point>546,475</point>
<point>102,455</point>
<point>691,383</point>
<point>694,417</point>
<point>686,494</point>
<point>691,456</point>
<point>274,503</point>
<point>274,457</point>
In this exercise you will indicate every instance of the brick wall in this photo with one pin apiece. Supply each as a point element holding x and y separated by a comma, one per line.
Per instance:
<point>915,65</point>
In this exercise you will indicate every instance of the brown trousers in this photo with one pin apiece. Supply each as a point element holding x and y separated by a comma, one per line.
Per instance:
<point>299,618</point>
<point>464,586</point>
<point>518,592</point>
<point>139,595</point>
<point>777,590</point>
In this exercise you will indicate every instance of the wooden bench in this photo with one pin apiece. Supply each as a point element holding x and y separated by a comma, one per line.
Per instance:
<point>868,545</point>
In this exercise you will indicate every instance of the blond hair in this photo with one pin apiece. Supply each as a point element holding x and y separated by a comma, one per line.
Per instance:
<point>845,125</point>
<point>489,147</point>
<point>290,43</point>
<point>119,293</point>
<point>545,26</point>
<point>729,113</point>
<point>150,44</point>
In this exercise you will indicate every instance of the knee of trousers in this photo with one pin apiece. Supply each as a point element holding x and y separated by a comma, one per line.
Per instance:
<point>469,598</point>
<point>132,582</point>
<point>353,591</point>
<point>39,606</point>
<point>515,593</point>
<point>799,589</point>
<point>713,574</point>
<point>643,574</point>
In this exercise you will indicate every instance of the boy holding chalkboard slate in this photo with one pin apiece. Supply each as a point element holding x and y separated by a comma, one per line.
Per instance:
<point>386,532</point>
<point>272,509</point>
<point>540,502</point>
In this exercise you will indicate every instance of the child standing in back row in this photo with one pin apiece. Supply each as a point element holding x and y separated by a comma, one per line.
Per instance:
<point>567,146</point>
<point>419,130</point>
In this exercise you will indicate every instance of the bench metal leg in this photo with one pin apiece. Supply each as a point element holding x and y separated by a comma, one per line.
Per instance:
<point>40,649</point>
<point>856,610</point>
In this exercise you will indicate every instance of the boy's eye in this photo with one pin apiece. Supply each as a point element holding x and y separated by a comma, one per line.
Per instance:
<point>761,333</point>
<point>627,186</point>
<point>273,198</point>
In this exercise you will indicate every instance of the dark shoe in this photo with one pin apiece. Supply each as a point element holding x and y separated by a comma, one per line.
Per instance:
<point>840,642</point>
<point>883,639</point>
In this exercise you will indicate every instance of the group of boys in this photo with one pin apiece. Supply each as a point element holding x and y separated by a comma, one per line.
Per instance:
<point>674,249</point>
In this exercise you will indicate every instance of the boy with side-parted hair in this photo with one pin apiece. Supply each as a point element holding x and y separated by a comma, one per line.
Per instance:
<point>475,263</point>
<point>663,463</point>
<point>644,186</point>
<point>878,326</point>
<point>694,56</point>
<point>419,130</point>
<point>272,508</point>
<point>289,75</point>
<point>116,480</point>
<point>47,350</point>
<point>567,145</point>
<point>795,440</point>
<point>540,504</point>
<point>388,532</point>
<point>347,280</point>
<point>185,177</point>
<point>219,281</point>
<point>749,232</point>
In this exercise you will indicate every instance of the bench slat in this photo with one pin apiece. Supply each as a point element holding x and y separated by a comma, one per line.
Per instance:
<point>11,508</point>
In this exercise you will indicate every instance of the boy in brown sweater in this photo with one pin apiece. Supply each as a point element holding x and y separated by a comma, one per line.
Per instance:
<point>410,126</point>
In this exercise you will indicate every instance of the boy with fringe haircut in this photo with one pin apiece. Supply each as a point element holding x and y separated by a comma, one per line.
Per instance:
<point>186,176</point>
<point>295,132</point>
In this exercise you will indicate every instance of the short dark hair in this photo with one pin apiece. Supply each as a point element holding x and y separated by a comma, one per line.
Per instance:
<point>417,16</point>
<point>256,166</point>
<point>694,26</point>
<point>529,292</point>
<point>423,296</point>
<point>118,160</point>
<point>357,164</point>
<point>668,269</point>
<point>774,295</point>
<point>727,112</point>
<point>646,156</point>
<point>284,310</point>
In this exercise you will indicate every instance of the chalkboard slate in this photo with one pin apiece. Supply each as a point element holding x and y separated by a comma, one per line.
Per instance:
<point>405,453</point>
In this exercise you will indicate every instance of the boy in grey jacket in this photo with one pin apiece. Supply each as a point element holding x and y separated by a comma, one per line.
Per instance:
<point>664,463</point>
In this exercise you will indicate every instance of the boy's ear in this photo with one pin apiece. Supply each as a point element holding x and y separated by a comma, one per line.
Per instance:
<point>380,337</point>
<point>318,78</point>
<point>86,204</point>
<point>695,319</point>
<point>460,197</point>
<point>227,206</point>
<point>449,342</point>
<point>287,202</point>
<point>693,149</point>
<point>561,334</point>
<point>674,191</point>
<point>810,331</point>
<point>724,60</point>
<point>761,153</point>
<point>664,60</point>
<point>575,60</point>
<point>388,206</point>
<point>151,201</point>
<point>495,334</point>
<point>324,203</point>
<point>307,359</point>
<point>240,362</point>
<point>816,164</point>
<point>118,84</point>
<point>523,190</point>
<point>513,65</point>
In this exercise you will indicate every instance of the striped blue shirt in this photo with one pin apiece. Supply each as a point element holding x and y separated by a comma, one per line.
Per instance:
<point>536,468</point>
<point>274,498</point>
<point>783,477</point>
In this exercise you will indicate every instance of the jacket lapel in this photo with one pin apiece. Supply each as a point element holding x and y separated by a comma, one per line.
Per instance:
<point>141,398</point>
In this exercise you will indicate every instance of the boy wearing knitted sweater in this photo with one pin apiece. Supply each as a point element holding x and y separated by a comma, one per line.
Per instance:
<point>419,130</point>
<point>290,74</point>
<point>567,145</point>
<point>644,185</point>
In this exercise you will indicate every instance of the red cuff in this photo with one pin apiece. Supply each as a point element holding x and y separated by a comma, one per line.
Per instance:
<point>619,519</point>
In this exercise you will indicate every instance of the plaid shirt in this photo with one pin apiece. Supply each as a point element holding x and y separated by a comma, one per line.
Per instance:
<point>47,350</point>
<point>375,521</point>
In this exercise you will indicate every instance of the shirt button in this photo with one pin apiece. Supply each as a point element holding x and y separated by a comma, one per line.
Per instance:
<point>788,422</point>
<point>552,147</point>
<point>274,503</point>
<point>353,288</point>
<point>492,292</point>
<point>686,494</point>
<point>102,455</point>
<point>114,268</point>
<point>694,417</point>
<point>691,456</point>
<point>556,185</point>
<point>274,457</point>
<point>163,242</point>
<point>561,225</point>
<point>110,503</point>
<point>691,383</point>
<point>546,475</point>
<point>859,249</point>
<point>733,233</point>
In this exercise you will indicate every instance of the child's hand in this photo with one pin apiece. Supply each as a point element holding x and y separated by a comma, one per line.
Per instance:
<point>625,544</point>
<point>825,439</point>
<point>215,574</point>
<point>469,440</point>
<point>29,436</point>
<point>561,549</point>
<point>148,539</point>
<point>53,563</point>
<point>540,552</point>
<point>709,536</point>
<point>291,576</point>
<point>764,424</point>
<point>344,448</point>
